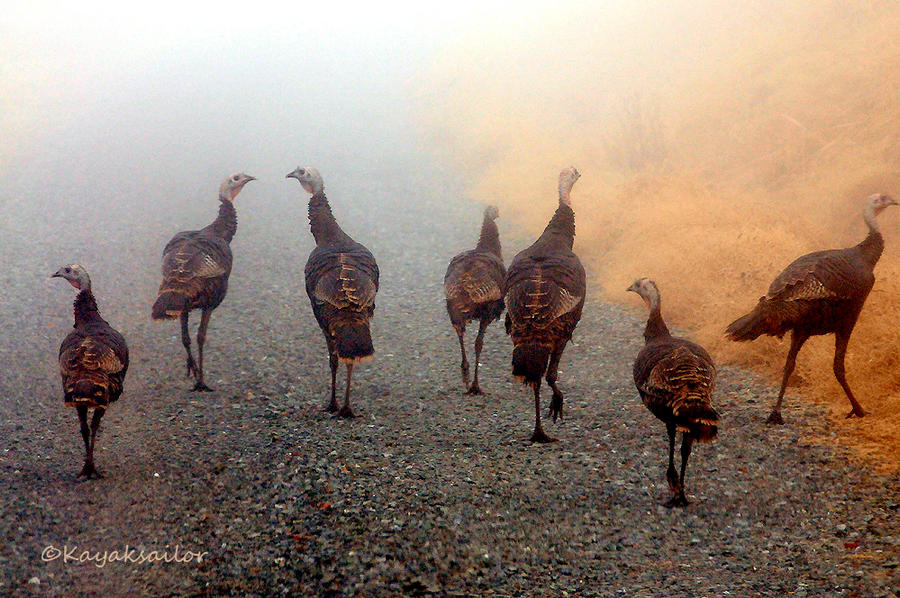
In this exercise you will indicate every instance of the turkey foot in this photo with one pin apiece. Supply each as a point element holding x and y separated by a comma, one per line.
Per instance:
<point>672,478</point>
<point>192,371</point>
<point>679,500</point>
<point>346,413</point>
<point>474,390</point>
<point>539,437</point>
<point>332,406</point>
<point>556,406</point>
<point>775,418</point>
<point>857,412</point>
<point>89,471</point>
<point>201,387</point>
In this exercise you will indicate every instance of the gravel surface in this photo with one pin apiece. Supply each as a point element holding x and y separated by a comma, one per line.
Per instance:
<point>429,491</point>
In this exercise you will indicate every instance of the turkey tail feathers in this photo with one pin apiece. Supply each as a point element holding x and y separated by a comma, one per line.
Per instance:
<point>353,341</point>
<point>748,327</point>
<point>699,420</point>
<point>170,304</point>
<point>529,362</point>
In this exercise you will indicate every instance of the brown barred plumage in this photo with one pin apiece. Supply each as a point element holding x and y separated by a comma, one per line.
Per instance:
<point>544,292</point>
<point>819,293</point>
<point>473,287</point>
<point>93,360</point>
<point>195,268</point>
<point>341,282</point>
<point>675,379</point>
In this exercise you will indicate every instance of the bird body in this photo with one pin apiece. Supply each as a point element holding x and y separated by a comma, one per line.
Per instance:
<point>819,293</point>
<point>341,283</point>
<point>473,287</point>
<point>544,292</point>
<point>675,379</point>
<point>93,361</point>
<point>195,269</point>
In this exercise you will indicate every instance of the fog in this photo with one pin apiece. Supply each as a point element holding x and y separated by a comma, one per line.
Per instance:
<point>717,143</point>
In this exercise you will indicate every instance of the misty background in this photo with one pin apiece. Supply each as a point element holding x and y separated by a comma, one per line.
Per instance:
<point>717,143</point>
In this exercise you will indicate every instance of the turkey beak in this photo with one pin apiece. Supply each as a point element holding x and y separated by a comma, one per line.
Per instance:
<point>294,174</point>
<point>892,201</point>
<point>58,274</point>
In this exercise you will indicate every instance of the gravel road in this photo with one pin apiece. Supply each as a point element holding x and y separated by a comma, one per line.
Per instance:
<point>429,491</point>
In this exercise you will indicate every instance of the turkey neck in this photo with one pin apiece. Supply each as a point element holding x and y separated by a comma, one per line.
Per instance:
<point>872,246</point>
<point>656,327</point>
<point>86,308</point>
<point>324,227</point>
<point>489,241</point>
<point>225,224</point>
<point>560,231</point>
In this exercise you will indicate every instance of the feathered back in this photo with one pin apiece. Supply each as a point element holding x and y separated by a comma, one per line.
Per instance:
<point>93,358</point>
<point>341,282</point>
<point>674,376</point>
<point>544,292</point>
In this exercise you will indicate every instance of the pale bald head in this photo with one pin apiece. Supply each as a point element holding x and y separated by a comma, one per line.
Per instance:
<point>879,201</point>
<point>875,205</point>
<point>309,178</point>
<point>567,179</point>
<point>646,288</point>
<point>492,212</point>
<point>76,275</point>
<point>232,185</point>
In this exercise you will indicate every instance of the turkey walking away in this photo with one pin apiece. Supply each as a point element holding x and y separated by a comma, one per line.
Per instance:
<point>473,288</point>
<point>819,293</point>
<point>341,282</point>
<point>544,293</point>
<point>195,268</point>
<point>675,379</point>
<point>93,359</point>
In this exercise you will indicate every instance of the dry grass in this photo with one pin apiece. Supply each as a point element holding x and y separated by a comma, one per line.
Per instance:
<point>717,145</point>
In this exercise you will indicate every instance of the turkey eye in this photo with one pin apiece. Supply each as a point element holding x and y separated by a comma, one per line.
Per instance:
<point>302,171</point>
<point>234,178</point>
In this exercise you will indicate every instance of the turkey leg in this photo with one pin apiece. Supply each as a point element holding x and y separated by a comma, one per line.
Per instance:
<point>538,435</point>
<point>345,411</point>
<point>797,340</point>
<point>201,338</point>
<point>840,350</point>
<point>479,344</point>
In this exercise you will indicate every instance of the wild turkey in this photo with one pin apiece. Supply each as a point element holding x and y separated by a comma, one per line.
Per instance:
<point>819,293</point>
<point>675,379</point>
<point>341,282</point>
<point>473,287</point>
<point>93,359</point>
<point>195,268</point>
<point>544,292</point>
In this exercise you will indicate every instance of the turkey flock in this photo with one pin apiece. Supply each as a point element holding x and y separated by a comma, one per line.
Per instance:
<point>542,292</point>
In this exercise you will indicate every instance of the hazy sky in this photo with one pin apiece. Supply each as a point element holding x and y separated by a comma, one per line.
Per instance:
<point>140,90</point>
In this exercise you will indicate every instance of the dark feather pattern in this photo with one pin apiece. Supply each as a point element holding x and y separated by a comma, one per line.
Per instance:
<point>675,379</point>
<point>544,292</point>
<point>93,358</point>
<point>819,293</point>
<point>195,267</point>
<point>341,282</point>
<point>473,288</point>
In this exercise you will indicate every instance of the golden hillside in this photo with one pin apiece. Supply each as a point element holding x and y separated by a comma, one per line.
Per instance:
<point>717,144</point>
